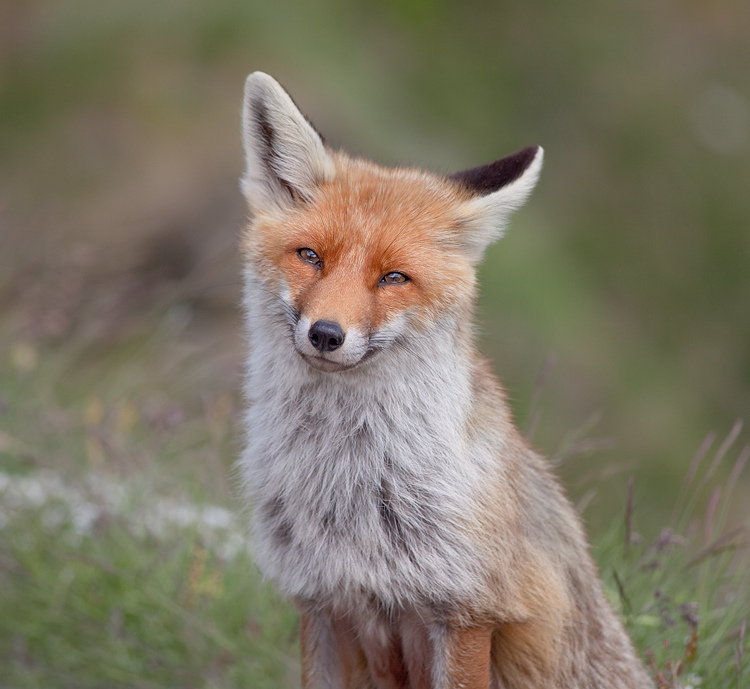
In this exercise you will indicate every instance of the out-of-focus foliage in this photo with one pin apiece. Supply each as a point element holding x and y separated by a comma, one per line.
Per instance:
<point>119,153</point>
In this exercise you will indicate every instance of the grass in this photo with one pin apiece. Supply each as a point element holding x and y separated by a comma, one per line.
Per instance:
<point>122,554</point>
<point>121,606</point>
<point>122,549</point>
<point>684,595</point>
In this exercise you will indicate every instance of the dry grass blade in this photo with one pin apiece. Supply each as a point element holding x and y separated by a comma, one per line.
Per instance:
<point>535,413</point>
<point>629,517</point>
<point>723,448</point>
<point>739,465</point>
<point>740,650</point>
<point>733,540</point>
<point>710,521</point>
<point>699,455</point>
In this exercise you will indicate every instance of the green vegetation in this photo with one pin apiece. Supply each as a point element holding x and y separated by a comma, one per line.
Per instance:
<point>123,556</point>
<point>118,608</point>
<point>120,351</point>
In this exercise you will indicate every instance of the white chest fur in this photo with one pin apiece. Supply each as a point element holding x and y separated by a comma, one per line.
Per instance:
<point>359,480</point>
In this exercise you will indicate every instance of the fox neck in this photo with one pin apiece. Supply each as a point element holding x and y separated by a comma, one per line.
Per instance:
<point>429,369</point>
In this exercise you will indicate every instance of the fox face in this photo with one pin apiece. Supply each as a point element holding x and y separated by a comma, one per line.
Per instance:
<point>361,257</point>
<point>373,257</point>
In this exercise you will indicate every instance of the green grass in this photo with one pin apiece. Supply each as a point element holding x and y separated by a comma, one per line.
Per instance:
<point>684,599</point>
<point>115,607</point>
<point>120,561</point>
<point>111,574</point>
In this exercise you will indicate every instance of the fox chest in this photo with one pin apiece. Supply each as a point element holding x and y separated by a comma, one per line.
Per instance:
<point>358,504</point>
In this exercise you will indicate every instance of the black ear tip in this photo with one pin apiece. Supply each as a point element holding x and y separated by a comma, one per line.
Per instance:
<point>488,178</point>
<point>531,152</point>
<point>522,160</point>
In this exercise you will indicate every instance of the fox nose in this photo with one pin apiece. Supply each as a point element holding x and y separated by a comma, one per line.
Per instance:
<point>326,336</point>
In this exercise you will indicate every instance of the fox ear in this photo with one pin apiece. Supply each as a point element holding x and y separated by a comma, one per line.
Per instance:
<point>286,158</point>
<point>498,189</point>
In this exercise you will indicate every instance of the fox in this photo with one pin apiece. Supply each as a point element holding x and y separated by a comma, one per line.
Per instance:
<point>423,541</point>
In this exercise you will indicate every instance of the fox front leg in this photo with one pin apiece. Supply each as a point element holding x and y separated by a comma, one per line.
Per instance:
<point>462,656</point>
<point>330,654</point>
<point>340,652</point>
<point>407,654</point>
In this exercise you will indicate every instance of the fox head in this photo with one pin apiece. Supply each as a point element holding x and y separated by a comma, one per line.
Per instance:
<point>361,256</point>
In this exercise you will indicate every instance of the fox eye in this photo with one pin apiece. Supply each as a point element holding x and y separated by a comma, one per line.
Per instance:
<point>309,256</point>
<point>394,278</point>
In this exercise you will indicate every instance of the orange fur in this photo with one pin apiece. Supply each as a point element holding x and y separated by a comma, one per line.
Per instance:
<point>407,225</point>
<point>469,657</point>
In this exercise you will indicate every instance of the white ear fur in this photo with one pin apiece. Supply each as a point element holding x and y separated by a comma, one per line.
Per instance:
<point>486,217</point>
<point>286,158</point>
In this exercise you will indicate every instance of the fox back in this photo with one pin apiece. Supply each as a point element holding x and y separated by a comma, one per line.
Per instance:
<point>423,541</point>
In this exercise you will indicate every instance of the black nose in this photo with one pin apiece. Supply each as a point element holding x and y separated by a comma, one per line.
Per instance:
<point>326,336</point>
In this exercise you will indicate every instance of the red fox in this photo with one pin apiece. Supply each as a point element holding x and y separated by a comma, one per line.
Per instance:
<point>425,544</point>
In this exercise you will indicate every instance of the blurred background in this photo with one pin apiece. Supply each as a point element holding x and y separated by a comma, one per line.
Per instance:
<point>616,309</point>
